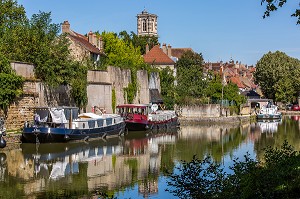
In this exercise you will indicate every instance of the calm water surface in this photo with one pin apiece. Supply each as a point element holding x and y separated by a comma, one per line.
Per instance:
<point>133,166</point>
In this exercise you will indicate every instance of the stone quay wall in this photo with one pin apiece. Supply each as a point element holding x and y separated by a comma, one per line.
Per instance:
<point>99,92</point>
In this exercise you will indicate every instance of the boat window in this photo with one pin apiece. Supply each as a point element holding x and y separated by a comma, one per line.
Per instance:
<point>100,122</point>
<point>91,124</point>
<point>108,121</point>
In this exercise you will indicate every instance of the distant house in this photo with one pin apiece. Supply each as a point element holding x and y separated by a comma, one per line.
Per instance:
<point>156,57</point>
<point>234,72</point>
<point>84,47</point>
<point>174,53</point>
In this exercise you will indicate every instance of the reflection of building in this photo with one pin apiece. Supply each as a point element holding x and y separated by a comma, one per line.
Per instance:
<point>210,133</point>
<point>148,187</point>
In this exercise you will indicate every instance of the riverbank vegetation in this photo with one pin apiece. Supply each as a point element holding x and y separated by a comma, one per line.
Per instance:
<point>278,76</point>
<point>277,175</point>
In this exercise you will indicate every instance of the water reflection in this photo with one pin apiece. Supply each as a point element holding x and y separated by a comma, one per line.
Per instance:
<point>134,166</point>
<point>269,126</point>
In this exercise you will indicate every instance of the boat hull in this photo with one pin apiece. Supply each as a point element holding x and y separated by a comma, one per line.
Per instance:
<point>135,125</point>
<point>268,116</point>
<point>48,135</point>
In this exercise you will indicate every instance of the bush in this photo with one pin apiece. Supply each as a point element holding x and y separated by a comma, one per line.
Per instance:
<point>276,176</point>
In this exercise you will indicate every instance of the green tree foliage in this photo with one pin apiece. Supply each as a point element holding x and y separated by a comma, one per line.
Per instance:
<point>214,88</point>
<point>120,53</point>
<point>276,176</point>
<point>167,87</point>
<point>36,41</point>
<point>190,80</point>
<point>272,71</point>
<point>10,83</point>
<point>139,42</point>
<point>78,83</point>
<point>273,5</point>
<point>12,16</point>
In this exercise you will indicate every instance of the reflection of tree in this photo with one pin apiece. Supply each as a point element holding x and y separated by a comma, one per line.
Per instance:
<point>77,185</point>
<point>287,130</point>
<point>229,139</point>
<point>167,163</point>
<point>133,166</point>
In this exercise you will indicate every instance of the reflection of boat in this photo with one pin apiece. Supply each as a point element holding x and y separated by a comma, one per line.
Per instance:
<point>140,117</point>
<point>295,117</point>
<point>269,111</point>
<point>61,124</point>
<point>269,126</point>
<point>60,159</point>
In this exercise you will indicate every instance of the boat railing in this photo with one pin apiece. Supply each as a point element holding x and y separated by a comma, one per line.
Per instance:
<point>162,116</point>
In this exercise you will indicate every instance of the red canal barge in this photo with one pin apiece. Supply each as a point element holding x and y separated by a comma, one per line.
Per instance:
<point>141,117</point>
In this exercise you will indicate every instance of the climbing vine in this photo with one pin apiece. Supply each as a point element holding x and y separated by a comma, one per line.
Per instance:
<point>114,100</point>
<point>131,90</point>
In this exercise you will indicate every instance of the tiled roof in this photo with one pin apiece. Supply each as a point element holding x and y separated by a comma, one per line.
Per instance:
<point>83,41</point>
<point>178,52</point>
<point>236,80</point>
<point>157,57</point>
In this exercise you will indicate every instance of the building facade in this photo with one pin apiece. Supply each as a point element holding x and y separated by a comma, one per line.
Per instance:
<point>84,47</point>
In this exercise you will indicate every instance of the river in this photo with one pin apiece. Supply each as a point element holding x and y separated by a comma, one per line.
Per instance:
<point>133,166</point>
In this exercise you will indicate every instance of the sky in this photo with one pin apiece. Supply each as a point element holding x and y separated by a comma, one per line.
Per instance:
<point>220,30</point>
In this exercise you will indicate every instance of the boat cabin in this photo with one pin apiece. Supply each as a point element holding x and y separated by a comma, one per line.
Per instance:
<point>129,109</point>
<point>53,117</point>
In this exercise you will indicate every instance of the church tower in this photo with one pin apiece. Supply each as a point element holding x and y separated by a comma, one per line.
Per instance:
<point>146,24</point>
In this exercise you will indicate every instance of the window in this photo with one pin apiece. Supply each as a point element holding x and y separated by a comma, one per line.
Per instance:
<point>144,25</point>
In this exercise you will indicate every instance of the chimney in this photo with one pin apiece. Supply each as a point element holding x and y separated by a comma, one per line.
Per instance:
<point>65,27</point>
<point>164,48</point>
<point>147,48</point>
<point>101,44</point>
<point>90,36</point>
<point>169,50</point>
<point>95,40</point>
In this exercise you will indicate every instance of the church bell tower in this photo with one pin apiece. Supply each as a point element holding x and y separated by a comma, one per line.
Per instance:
<point>146,24</point>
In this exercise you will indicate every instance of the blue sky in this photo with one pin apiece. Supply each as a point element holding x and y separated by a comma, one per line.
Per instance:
<point>218,29</point>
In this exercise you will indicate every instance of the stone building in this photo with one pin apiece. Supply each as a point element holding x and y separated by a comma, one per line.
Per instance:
<point>146,24</point>
<point>84,47</point>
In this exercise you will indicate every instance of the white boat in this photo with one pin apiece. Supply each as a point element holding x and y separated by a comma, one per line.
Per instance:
<point>269,111</point>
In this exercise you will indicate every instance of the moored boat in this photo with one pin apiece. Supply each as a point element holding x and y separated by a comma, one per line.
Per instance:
<point>63,124</point>
<point>269,111</point>
<point>141,117</point>
<point>2,133</point>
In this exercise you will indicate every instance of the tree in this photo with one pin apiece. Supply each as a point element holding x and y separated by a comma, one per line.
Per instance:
<point>271,72</point>
<point>10,83</point>
<point>230,91</point>
<point>139,41</point>
<point>273,5</point>
<point>12,15</point>
<point>119,53</point>
<point>276,176</point>
<point>37,41</point>
<point>190,80</point>
<point>167,87</point>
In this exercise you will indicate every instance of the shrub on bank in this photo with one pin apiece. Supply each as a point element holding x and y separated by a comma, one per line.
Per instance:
<point>276,176</point>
